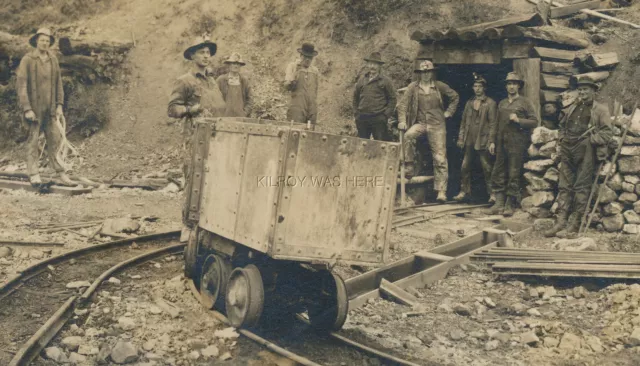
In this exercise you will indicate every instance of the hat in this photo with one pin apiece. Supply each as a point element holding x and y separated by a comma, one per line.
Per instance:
<point>424,66</point>
<point>234,59</point>
<point>514,76</point>
<point>588,81</point>
<point>199,43</point>
<point>44,31</point>
<point>307,49</point>
<point>374,57</point>
<point>479,79</point>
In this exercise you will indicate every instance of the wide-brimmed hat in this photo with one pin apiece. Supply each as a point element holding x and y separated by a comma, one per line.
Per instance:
<point>424,66</point>
<point>375,57</point>
<point>514,76</point>
<point>43,31</point>
<point>234,59</point>
<point>479,79</point>
<point>199,43</point>
<point>308,49</point>
<point>587,81</point>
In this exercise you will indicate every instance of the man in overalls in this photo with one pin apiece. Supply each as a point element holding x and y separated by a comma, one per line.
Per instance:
<point>235,88</point>
<point>509,140</point>
<point>301,78</point>
<point>421,109</point>
<point>480,114</point>
<point>584,135</point>
<point>195,94</point>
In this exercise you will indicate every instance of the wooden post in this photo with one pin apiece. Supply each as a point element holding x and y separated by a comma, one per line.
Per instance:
<point>529,69</point>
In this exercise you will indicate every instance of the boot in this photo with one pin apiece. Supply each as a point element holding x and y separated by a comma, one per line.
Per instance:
<point>460,197</point>
<point>492,198</point>
<point>571,231</point>
<point>561,222</point>
<point>509,206</point>
<point>442,197</point>
<point>64,178</point>
<point>497,207</point>
<point>35,180</point>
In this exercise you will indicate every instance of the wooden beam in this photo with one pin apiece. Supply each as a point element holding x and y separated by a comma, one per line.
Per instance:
<point>596,76</point>
<point>26,186</point>
<point>483,52</point>
<point>562,36</point>
<point>529,69</point>
<point>516,48</point>
<point>552,54</point>
<point>550,81</point>
<point>397,294</point>
<point>423,254</point>
<point>549,96</point>
<point>567,270</point>
<point>528,20</point>
<point>562,68</point>
<point>426,51</point>
<point>602,60</point>
<point>593,13</point>
<point>567,10</point>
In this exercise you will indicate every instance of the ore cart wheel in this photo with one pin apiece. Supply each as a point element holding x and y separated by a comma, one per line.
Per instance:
<point>213,281</point>
<point>245,296</point>
<point>331,306</point>
<point>191,257</point>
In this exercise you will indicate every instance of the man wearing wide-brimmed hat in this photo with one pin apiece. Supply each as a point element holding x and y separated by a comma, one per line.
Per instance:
<point>509,139</point>
<point>480,113</point>
<point>195,94</point>
<point>301,78</point>
<point>41,97</point>
<point>374,100</point>
<point>422,110</point>
<point>235,88</point>
<point>584,134</point>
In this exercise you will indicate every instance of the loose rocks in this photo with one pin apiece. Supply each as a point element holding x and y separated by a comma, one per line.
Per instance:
<point>124,352</point>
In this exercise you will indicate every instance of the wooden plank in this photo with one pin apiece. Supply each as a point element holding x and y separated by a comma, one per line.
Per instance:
<point>426,51</point>
<point>370,281</point>
<point>483,52</point>
<point>26,186</point>
<point>433,256</point>
<point>528,20</point>
<point>596,76</point>
<point>553,54</point>
<point>567,10</point>
<point>516,48</point>
<point>559,82</point>
<point>529,69</point>
<point>555,35</point>
<point>30,243</point>
<point>426,277</point>
<point>602,60</point>
<point>549,96</point>
<point>562,68</point>
<point>362,299</point>
<point>461,246</point>
<point>397,294</point>
<point>569,267</point>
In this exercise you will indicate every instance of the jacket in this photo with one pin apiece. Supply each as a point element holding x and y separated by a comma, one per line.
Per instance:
<point>488,120</point>
<point>374,97</point>
<point>26,80</point>
<point>600,121</point>
<point>223,84</point>
<point>526,113</point>
<point>408,105</point>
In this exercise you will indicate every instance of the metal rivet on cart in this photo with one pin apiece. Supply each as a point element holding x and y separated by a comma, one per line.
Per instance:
<point>364,143</point>
<point>344,141</point>
<point>304,135</point>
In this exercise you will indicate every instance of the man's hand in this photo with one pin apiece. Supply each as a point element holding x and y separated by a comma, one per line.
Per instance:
<point>492,149</point>
<point>460,144</point>
<point>194,110</point>
<point>30,116</point>
<point>59,112</point>
<point>402,126</point>
<point>447,114</point>
<point>514,117</point>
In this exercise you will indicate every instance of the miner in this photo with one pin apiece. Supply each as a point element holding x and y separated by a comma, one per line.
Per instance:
<point>235,88</point>
<point>478,118</point>
<point>422,110</point>
<point>584,135</point>
<point>550,114</point>
<point>41,97</point>
<point>509,139</point>
<point>301,78</point>
<point>195,94</point>
<point>374,100</point>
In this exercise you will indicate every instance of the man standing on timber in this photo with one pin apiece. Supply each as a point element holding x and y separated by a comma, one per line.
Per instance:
<point>374,101</point>
<point>477,120</point>
<point>235,88</point>
<point>195,94</point>
<point>41,97</point>
<point>509,140</point>
<point>301,78</point>
<point>584,135</point>
<point>421,109</point>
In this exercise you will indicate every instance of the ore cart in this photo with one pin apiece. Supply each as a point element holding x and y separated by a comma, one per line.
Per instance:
<point>274,207</point>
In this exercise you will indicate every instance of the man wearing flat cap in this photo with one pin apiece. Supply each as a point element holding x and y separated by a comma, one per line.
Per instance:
<point>374,100</point>
<point>195,94</point>
<point>41,97</point>
<point>480,114</point>
<point>509,139</point>
<point>301,78</point>
<point>584,135</point>
<point>422,111</point>
<point>235,88</point>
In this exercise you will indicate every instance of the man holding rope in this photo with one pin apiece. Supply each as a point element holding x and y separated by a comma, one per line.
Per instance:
<point>41,97</point>
<point>585,132</point>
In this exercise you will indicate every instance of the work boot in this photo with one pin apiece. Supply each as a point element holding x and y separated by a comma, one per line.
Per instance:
<point>509,206</point>
<point>560,224</point>
<point>571,231</point>
<point>498,206</point>
<point>35,180</point>
<point>492,198</point>
<point>64,178</point>
<point>460,197</point>
<point>442,197</point>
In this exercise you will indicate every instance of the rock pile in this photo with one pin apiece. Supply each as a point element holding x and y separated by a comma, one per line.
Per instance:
<point>619,201</point>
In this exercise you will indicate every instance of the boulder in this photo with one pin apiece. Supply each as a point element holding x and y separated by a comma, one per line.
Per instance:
<point>629,164</point>
<point>613,223</point>
<point>631,229</point>
<point>121,225</point>
<point>55,354</point>
<point>576,245</point>
<point>76,358</point>
<point>628,198</point>
<point>537,182</point>
<point>533,151</point>
<point>211,351</point>
<point>570,342</point>
<point>630,151</point>
<point>612,208</point>
<point>615,182</point>
<point>548,150</point>
<point>633,179</point>
<point>607,195</point>
<point>628,187</point>
<point>551,342</point>
<point>5,252</point>
<point>552,175</point>
<point>539,212</point>
<point>541,199</point>
<point>594,343</point>
<point>72,343</point>
<point>543,224</point>
<point>637,188</point>
<point>634,128</point>
<point>124,352</point>
<point>539,165</point>
<point>631,217</point>
<point>226,333</point>
<point>126,323</point>
<point>542,135</point>
<point>631,140</point>
<point>605,169</point>
<point>492,345</point>
<point>78,284</point>
<point>636,207</point>
<point>634,338</point>
<point>530,338</point>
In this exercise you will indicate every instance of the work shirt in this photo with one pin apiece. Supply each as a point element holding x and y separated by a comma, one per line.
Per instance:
<point>196,88</point>
<point>523,108</point>
<point>303,82</point>
<point>374,96</point>
<point>236,92</point>
<point>474,127</point>
<point>44,83</point>
<point>578,121</point>
<point>409,103</point>
<point>39,84</point>
<point>429,107</point>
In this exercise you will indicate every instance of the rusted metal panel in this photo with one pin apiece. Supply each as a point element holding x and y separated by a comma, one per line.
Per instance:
<point>200,148</point>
